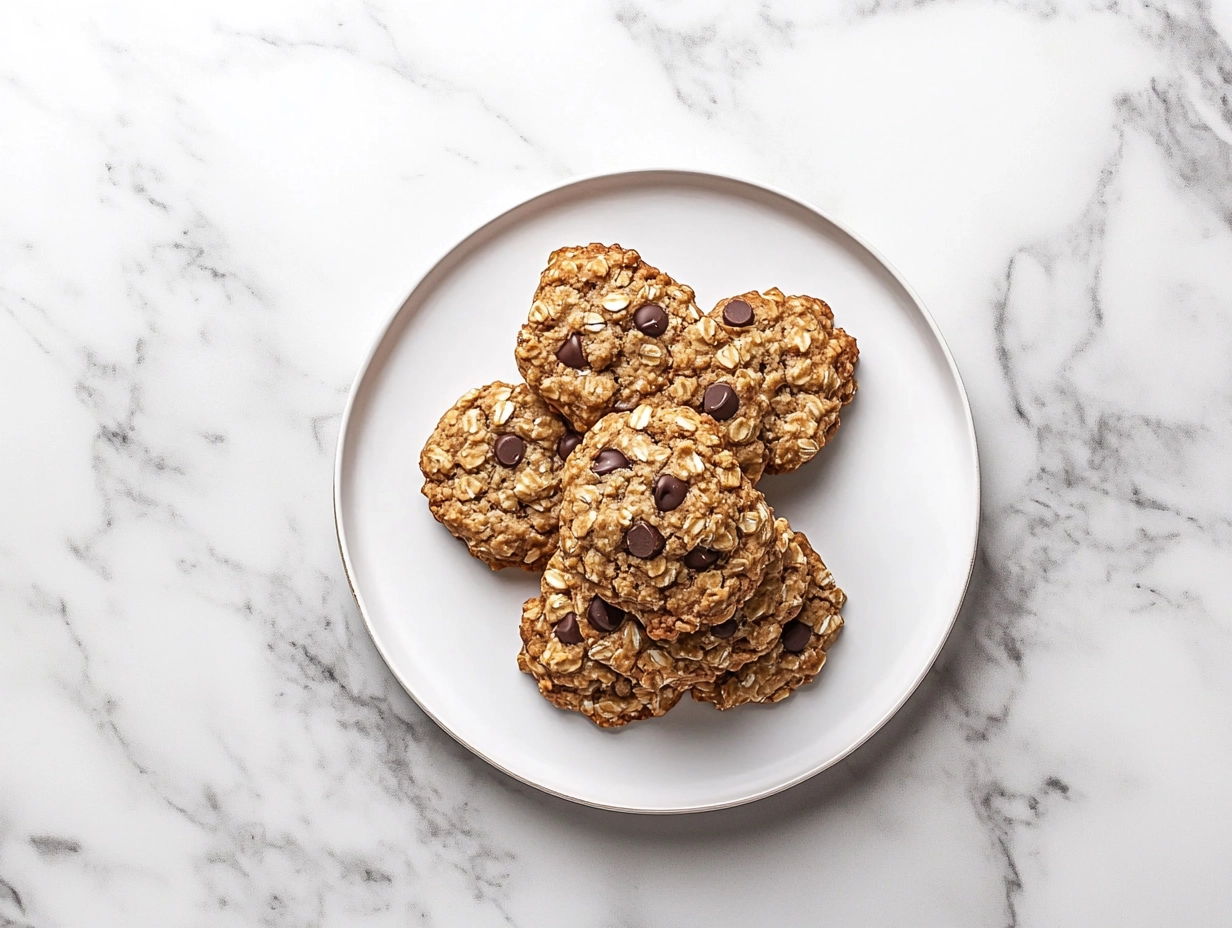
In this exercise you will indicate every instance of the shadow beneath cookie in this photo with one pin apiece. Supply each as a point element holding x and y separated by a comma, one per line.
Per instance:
<point>794,492</point>
<point>523,583</point>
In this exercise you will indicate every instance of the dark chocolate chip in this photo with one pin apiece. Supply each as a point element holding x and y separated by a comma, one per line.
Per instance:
<point>570,353</point>
<point>567,631</point>
<point>720,401</point>
<point>509,449</point>
<point>604,616</point>
<point>796,636</point>
<point>701,559</point>
<point>608,460</point>
<point>723,629</point>
<point>643,540</point>
<point>567,443</point>
<point>669,492</point>
<point>650,320</point>
<point>738,313</point>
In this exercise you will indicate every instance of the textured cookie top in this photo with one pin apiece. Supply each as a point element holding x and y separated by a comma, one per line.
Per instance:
<point>570,679</point>
<point>786,366</point>
<point>799,652</point>
<point>613,637</point>
<point>619,641</point>
<point>599,333</point>
<point>755,626</point>
<point>719,370</point>
<point>492,474</point>
<point>658,519</point>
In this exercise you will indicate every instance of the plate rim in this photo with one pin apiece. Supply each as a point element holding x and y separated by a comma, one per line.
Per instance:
<point>647,174</point>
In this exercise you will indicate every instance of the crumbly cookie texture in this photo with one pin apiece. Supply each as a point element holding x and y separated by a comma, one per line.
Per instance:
<point>569,679</point>
<point>619,641</point>
<point>492,474</point>
<point>599,333</point>
<point>751,631</point>
<point>616,638</point>
<point>796,657</point>
<point>719,372</point>
<point>789,368</point>
<point>657,519</point>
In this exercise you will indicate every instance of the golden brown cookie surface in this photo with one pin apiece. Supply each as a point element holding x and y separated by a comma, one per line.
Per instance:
<point>619,641</point>
<point>492,474</point>
<point>657,518</point>
<point>569,679</point>
<point>796,657</point>
<point>599,333</point>
<point>783,368</point>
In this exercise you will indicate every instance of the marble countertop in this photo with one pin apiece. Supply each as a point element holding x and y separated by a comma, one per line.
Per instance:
<point>208,209</point>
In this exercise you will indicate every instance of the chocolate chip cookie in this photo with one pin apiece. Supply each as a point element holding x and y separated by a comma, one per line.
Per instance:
<point>610,635</point>
<point>554,654</point>
<point>599,333</point>
<point>751,631</point>
<point>492,474</point>
<point>796,657</point>
<point>657,519</point>
<point>773,370</point>
<point>618,640</point>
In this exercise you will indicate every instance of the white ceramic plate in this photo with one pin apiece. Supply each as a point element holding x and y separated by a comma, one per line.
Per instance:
<point>892,504</point>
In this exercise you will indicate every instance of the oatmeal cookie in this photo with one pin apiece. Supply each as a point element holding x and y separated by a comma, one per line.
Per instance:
<point>613,637</point>
<point>657,519</point>
<point>599,332</point>
<point>773,370</point>
<point>752,630</point>
<point>492,474</point>
<point>798,655</point>
<point>554,654</point>
<point>618,640</point>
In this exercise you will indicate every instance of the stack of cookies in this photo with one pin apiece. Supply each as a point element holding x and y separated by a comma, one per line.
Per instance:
<point>625,468</point>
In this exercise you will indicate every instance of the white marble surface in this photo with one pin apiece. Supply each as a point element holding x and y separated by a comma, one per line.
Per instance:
<point>208,209</point>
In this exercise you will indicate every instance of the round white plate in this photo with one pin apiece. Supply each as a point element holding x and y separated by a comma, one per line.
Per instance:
<point>892,504</point>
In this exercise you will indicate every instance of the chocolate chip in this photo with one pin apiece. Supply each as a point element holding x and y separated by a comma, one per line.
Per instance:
<point>567,631</point>
<point>570,353</point>
<point>650,320</point>
<point>720,401</point>
<point>604,616</point>
<point>669,492</point>
<point>795,637</point>
<point>722,630</point>
<point>567,443</point>
<point>509,449</point>
<point>608,460</point>
<point>643,540</point>
<point>701,559</point>
<point>738,313</point>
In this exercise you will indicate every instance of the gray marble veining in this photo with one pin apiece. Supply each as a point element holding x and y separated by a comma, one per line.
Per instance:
<point>209,210</point>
